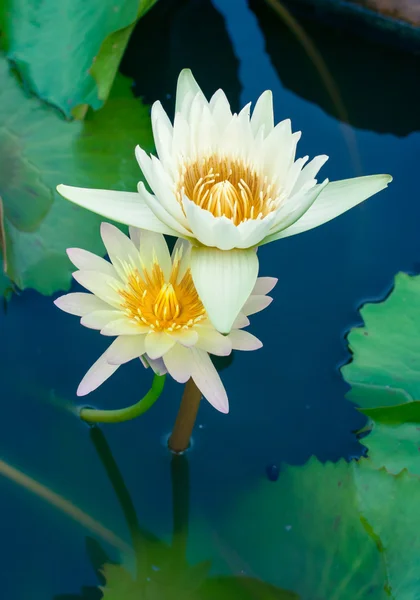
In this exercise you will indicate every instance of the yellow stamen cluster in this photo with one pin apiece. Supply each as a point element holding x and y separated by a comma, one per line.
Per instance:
<point>161,305</point>
<point>227,187</point>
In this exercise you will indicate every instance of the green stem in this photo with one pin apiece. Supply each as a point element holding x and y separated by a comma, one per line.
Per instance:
<point>93,415</point>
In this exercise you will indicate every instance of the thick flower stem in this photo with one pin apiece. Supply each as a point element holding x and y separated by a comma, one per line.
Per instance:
<point>93,415</point>
<point>187,414</point>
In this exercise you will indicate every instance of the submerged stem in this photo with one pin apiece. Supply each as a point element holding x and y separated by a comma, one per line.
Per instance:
<point>93,415</point>
<point>185,420</point>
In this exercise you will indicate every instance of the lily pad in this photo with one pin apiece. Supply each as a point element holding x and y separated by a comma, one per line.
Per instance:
<point>304,533</point>
<point>68,52</point>
<point>386,351</point>
<point>42,150</point>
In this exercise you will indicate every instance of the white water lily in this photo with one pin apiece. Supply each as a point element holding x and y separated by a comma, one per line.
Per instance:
<point>228,183</point>
<point>146,298</point>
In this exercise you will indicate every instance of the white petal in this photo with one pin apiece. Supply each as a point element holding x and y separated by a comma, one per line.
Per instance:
<point>253,231</point>
<point>335,199</point>
<point>184,248</point>
<point>120,248</point>
<point>243,340</point>
<point>208,381</point>
<point>161,183</point>
<point>293,209</point>
<point>87,261</point>
<point>123,207</point>
<point>101,285</point>
<point>255,304</point>
<point>173,226</point>
<point>124,326</point>
<point>162,133</point>
<point>187,89</point>
<point>80,303</point>
<point>264,285</point>
<point>99,318</point>
<point>210,230</point>
<point>212,341</point>
<point>262,115</point>
<point>97,374</point>
<point>309,172</point>
<point>158,343</point>
<point>186,337</point>
<point>153,247</point>
<point>157,365</point>
<point>220,109</point>
<point>240,321</point>
<point>135,236</point>
<point>178,362</point>
<point>124,349</point>
<point>224,280</point>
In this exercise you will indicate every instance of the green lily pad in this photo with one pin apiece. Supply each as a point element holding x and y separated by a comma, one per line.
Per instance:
<point>395,447</point>
<point>42,150</point>
<point>390,507</point>
<point>386,350</point>
<point>304,533</point>
<point>68,52</point>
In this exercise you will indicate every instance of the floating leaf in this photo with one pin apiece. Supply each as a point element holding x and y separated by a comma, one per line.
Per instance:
<point>304,533</point>
<point>55,45</point>
<point>43,150</point>
<point>386,350</point>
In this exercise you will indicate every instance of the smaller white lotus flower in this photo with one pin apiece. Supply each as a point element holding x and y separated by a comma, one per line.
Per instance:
<point>228,183</point>
<point>147,299</point>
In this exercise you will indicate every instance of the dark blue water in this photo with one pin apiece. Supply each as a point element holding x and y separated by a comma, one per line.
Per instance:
<point>288,399</point>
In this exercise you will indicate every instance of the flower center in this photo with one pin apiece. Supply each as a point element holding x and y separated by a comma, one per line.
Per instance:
<point>227,187</point>
<point>163,306</point>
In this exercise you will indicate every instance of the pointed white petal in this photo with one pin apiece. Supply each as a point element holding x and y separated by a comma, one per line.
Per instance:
<point>224,280</point>
<point>184,247</point>
<point>99,318</point>
<point>173,227</point>
<point>135,236</point>
<point>153,246</point>
<point>80,303</point>
<point>178,362</point>
<point>210,230</point>
<point>186,337</point>
<point>240,321</point>
<point>125,348</point>
<point>120,248</point>
<point>87,261</point>
<point>293,209</point>
<point>162,133</point>
<point>220,109</point>
<point>309,172</point>
<point>335,199</point>
<point>103,286</point>
<point>263,115</point>
<point>264,286</point>
<point>212,341</point>
<point>123,207</point>
<point>253,231</point>
<point>156,364</point>
<point>158,343</point>
<point>207,380</point>
<point>187,89</point>
<point>256,304</point>
<point>97,374</point>
<point>243,340</point>
<point>124,326</point>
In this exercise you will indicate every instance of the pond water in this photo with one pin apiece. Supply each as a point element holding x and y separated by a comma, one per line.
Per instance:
<point>288,399</point>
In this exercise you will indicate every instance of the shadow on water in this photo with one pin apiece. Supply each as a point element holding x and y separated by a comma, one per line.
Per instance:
<point>160,571</point>
<point>379,84</point>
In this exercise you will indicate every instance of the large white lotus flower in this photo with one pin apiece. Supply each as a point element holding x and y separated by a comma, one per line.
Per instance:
<point>148,300</point>
<point>228,183</point>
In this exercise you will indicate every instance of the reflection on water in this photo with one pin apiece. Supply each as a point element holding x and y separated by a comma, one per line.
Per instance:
<point>160,571</point>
